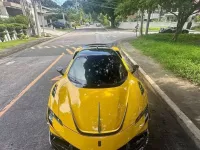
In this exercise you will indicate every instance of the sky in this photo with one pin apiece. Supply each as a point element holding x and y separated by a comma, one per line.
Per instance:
<point>59,2</point>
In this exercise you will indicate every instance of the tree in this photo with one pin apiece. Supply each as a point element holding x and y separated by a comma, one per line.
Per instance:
<point>185,8</point>
<point>130,7</point>
<point>22,19</point>
<point>68,4</point>
<point>107,7</point>
<point>49,3</point>
<point>150,6</point>
<point>55,17</point>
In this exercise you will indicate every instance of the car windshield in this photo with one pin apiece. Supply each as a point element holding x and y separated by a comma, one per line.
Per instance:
<point>99,71</point>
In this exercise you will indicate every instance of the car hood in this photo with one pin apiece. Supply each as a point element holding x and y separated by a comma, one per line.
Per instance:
<point>96,111</point>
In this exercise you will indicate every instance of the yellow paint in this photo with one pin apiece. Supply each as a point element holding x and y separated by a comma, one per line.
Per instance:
<point>56,78</point>
<point>12,102</point>
<point>115,48</point>
<point>83,103</point>
<point>69,51</point>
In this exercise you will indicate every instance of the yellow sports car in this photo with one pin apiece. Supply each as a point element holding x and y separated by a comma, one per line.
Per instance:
<point>98,104</point>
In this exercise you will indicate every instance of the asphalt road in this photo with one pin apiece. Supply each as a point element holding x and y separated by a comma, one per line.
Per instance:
<point>23,124</point>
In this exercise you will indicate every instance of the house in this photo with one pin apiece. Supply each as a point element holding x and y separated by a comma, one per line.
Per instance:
<point>10,8</point>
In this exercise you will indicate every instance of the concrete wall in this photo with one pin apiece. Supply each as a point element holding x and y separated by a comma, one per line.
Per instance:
<point>3,11</point>
<point>13,11</point>
<point>42,20</point>
<point>131,25</point>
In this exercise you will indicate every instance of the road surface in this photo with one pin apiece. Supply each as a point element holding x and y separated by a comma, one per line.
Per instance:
<point>26,79</point>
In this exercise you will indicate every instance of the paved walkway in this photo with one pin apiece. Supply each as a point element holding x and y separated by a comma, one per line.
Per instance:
<point>183,93</point>
<point>54,32</point>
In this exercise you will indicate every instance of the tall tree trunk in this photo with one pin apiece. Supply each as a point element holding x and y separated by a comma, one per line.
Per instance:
<point>189,24</point>
<point>148,22</point>
<point>142,22</point>
<point>112,20</point>
<point>160,14</point>
<point>182,18</point>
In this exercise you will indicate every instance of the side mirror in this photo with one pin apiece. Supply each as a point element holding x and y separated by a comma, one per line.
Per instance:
<point>60,70</point>
<point>135,68</point>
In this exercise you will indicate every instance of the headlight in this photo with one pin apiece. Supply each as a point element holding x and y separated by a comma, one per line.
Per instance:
<point>54,90</point>
<point>144,113</point>
<point>51,115</point>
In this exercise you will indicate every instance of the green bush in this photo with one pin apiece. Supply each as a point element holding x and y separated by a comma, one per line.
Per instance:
<point>9,20</point>
<point>18,27</point>
<point>20,35</point>
<point>2,27</point>
<point>25,26</point>
<point>2,36</point>
<point>11,34</point>
<point>2,32</point>
<point>25,31</point>
<point>1,20</point>
<point>197,18</point>
<point>21,19</point>
<point>10,27</point>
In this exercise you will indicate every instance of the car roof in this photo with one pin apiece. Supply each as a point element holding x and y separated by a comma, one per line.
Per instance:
<point>96,52</point>
<point>98,46</point>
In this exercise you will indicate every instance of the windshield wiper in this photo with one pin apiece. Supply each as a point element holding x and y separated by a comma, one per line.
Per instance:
<point>72,79</point>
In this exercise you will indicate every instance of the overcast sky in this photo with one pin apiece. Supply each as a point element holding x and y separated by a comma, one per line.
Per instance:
<point>59,2</point>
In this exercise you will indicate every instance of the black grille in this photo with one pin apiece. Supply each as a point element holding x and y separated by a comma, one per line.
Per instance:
<point>137,142</point>
<point>60,144</point>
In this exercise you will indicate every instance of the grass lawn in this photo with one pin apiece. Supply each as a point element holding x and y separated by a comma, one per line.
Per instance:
<point>4,45</point>
<point>181,57</point>
<point>154,28</point>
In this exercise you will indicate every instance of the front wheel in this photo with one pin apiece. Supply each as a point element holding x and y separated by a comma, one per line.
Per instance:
<point>51,137</point>
<point>185,31</point>
<point>58,144</point>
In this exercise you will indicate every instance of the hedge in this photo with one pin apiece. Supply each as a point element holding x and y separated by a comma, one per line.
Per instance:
<point>18,27</point>
<point>21,30</point>
<point>2,27</point>
<point>10,27</point>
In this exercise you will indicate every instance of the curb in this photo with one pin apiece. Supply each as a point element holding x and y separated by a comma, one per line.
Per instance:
<point>190,128</point>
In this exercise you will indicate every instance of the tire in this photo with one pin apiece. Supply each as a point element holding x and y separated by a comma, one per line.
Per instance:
<point>56,139</point>
<point>185,32</point>
<point>50,139</point>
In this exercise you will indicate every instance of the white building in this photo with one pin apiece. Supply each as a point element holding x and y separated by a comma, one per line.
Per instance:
<point>10,8</point>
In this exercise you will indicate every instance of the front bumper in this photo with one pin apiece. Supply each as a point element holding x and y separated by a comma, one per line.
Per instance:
<point>137,143</point>
<point>133,138</point>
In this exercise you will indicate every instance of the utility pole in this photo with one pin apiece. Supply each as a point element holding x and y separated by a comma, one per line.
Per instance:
<point>42,17</point>
<point>23,7</point>
<point>36,18</point>
<point>76,5</point>
<point>64,18</point>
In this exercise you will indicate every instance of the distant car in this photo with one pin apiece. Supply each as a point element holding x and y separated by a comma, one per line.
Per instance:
<point>57,24</point>
<point>98,25</point>
<point>172,30</point>
<point>87,24</point>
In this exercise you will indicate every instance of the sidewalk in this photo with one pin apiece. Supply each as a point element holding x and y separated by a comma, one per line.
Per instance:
<point>184,94</point>
<point>54,32</point>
